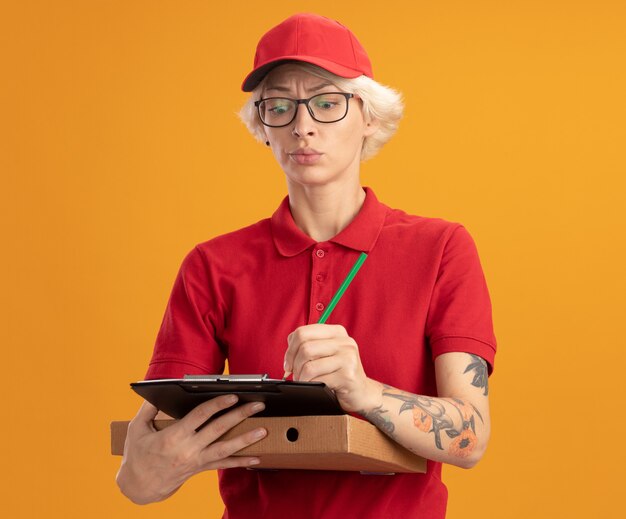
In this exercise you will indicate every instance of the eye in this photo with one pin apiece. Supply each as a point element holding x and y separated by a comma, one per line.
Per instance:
<point>278,107</point>
<point>328,102</point>
<point>281,109</point>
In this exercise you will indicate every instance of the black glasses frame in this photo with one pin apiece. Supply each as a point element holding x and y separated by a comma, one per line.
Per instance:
<point>305,102</point>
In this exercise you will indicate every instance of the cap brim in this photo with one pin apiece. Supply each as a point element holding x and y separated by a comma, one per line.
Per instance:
<point>256,76</point>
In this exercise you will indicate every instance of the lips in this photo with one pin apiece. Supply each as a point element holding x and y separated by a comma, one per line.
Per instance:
<point>305,151</point>
<point>305,156</point>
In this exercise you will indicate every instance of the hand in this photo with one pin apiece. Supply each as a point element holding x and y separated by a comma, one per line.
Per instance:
<point>326,353</point>
<point>157,463</point>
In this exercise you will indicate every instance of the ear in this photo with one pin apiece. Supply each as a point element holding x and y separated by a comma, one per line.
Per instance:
<point>265,139</point>
<point>371,127</point>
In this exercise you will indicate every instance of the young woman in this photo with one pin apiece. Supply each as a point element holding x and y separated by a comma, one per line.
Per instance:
<point>409,347</point>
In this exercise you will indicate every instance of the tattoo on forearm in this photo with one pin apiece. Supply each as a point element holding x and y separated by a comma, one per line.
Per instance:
<point>479,366</point>
<point>382,422</point>
<point>430,415</point>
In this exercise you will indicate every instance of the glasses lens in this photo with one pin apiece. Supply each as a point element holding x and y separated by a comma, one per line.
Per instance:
<point>329,108</point>
<point>277,111</point>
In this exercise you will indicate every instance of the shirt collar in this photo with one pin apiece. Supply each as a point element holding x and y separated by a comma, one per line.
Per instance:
<point>361,234</point>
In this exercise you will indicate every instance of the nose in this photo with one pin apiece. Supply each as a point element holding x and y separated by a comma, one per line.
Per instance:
<point>303,124</point>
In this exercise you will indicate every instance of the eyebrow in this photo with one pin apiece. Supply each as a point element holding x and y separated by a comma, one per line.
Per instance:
<point>287,89</point>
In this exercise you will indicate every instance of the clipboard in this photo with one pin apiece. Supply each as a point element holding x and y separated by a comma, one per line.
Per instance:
<point>176,397</point>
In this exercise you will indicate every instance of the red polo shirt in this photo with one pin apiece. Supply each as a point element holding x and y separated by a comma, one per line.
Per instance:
<point>420,293</point>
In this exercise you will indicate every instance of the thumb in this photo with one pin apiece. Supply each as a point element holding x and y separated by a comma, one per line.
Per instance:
<point>144,417</point>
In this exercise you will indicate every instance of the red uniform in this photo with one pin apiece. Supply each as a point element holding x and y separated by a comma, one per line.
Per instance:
<point>420,293</point>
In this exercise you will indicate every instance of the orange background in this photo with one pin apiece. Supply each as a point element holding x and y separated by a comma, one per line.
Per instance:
<point>120,150</point>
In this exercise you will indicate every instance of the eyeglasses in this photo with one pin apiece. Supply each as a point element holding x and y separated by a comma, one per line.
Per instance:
<point>328,107</point>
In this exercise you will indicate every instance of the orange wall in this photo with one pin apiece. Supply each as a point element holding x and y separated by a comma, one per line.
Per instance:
<point>120,150</point>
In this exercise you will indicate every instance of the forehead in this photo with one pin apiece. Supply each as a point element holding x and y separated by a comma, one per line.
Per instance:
<point>287,77</point>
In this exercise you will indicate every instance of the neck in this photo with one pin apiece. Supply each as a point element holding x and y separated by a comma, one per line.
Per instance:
<point>322,212</point>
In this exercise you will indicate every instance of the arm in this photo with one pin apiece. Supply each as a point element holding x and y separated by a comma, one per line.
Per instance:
<point>157,463</point>
<point>452,428</point>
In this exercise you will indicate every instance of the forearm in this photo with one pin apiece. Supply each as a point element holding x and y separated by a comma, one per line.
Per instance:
<point>448,430</point>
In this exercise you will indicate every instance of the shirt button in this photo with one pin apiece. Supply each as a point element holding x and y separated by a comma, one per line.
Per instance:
<point>320,253</point>
<point>319,306</point>
<point>320,277</point>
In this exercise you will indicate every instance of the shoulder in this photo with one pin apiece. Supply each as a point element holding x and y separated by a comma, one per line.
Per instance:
<point>250,234</point>
<point>232,248</point>
<point>430,231</point>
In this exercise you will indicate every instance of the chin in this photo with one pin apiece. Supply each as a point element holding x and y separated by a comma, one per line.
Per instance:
<point>311,176</point>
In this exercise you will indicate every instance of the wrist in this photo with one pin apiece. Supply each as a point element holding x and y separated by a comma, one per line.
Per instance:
<point>373,397</point>
<point>130,487</point>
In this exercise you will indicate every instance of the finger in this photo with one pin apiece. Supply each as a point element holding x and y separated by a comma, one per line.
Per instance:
<point>218,427</point>
<point>319,331</point>
<point>221,450</point>
<point>313,370</point>
<point>201,413</point>
<point>289,353</point>
<point>146,412</point>
<point>312,350</point>
<point>310,332</point>
<point>232,462</point>
<point>333,381</point>
<point>143,420</point>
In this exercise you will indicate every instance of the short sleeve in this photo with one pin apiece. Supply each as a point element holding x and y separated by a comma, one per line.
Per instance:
<point>459,317</point>
<point>186,343</point>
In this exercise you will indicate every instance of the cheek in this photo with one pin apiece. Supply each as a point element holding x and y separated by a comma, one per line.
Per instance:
<point>279,154</point>
<point>352,137</point>
<point>277,145</point>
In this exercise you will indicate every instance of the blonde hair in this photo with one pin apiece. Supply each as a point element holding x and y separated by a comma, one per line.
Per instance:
<point>380,103</point>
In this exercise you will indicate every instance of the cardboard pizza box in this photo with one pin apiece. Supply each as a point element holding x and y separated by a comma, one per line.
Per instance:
<point>311,442</point>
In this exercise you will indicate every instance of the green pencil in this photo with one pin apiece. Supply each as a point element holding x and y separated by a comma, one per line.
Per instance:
<point>342,288</point>
<point>338,295</point>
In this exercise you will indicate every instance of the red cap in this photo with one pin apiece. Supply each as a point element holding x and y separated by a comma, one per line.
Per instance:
<point>311,38</point>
